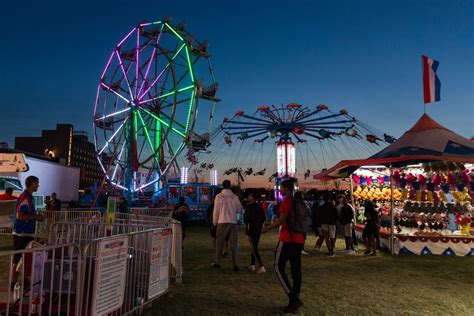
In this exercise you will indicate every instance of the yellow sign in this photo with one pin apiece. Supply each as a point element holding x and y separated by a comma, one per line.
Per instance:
<point>110,211</point>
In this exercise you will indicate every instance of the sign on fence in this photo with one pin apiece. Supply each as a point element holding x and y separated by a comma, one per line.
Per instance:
<point>160,246</point>
<point>110,211</point>
<point>110,272</point>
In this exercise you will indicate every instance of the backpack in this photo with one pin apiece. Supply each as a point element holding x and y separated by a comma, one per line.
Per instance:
<point>299,219</point>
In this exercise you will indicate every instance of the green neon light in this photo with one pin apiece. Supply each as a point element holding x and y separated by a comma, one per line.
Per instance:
<point>148,137</point>
<point>135,126</point>
<point>157,135</point>
<point>191,72</point>
<point>189,110</point>
<point>174,92</point>
<point>164,123</point>
<point>175,33</point>
<point>176,54</point>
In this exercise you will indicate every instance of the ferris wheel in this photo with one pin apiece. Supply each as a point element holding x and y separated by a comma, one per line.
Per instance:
<point>147,101</point>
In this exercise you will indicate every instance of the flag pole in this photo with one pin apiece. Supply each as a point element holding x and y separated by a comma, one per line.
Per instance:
<point>392,214</point>
<point>423,82</point>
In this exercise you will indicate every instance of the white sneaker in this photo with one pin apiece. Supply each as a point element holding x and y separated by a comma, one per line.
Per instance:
<point>304,253</point>
<point>350,252</point>
<point>261,270</point>
<point>317,248</point>
<point>252,268</point>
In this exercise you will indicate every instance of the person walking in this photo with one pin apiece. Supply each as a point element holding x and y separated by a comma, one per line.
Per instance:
<point>54,204</point>
<point>181,213</point>
<point>316,224</point>
<point>346,217</point>
<point>254,219</point>
<point>123,205</point>
<point>226,207</point>
<point>328,219</point>
<point>290,244</point>
<point>370,229</point>
<point>24,221</point>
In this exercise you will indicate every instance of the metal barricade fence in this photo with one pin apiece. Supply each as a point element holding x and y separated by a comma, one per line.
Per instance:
<point>144,259</point>
<point>75,246</point>
<point>162,211</point>
<point>176,251</point>
<point>82,233</point>
<point>43,280</point>
<point>51,217</point>
<point>145,218</point>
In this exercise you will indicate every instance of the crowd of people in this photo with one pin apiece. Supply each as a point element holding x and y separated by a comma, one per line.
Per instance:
<point>295,219</point>
<point>326,217</point>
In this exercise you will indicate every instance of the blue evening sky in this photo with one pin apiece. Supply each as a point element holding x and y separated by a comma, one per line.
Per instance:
<point>361,55</point>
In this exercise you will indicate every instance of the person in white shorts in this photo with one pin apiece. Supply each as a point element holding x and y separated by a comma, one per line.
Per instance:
<point>346,217</point>
<point>328,219</point>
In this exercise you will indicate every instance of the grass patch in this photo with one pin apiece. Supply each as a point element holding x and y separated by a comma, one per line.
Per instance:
<point>344,285</point>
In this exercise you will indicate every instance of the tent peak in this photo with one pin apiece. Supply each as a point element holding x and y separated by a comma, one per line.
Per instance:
<point>426,123</point>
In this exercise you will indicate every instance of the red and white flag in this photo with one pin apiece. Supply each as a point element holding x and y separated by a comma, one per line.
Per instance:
<point>431,83</point>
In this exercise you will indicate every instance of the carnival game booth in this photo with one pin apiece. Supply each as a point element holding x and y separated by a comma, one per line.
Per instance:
<point>429,190</point>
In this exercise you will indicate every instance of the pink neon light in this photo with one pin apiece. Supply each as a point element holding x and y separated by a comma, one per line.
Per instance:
<point>107,66</point>
<point>96,99</point>
<point>124,73</point>
<point>147,70</point>
<point>137,63</point>
<point>126,37</point>
<point>152,85</point>
<point>149,63</point>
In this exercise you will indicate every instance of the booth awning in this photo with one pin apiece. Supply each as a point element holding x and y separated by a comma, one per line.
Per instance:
<point>426,141</point>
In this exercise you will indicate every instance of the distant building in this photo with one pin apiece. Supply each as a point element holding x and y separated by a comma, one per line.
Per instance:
<point>69,147</point>
<point>3,145</point>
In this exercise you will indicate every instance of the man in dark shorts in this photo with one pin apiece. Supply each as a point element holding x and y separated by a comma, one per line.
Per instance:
<point>24,220</point>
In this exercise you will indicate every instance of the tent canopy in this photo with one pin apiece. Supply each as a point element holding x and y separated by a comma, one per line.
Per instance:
<point>426,141</point>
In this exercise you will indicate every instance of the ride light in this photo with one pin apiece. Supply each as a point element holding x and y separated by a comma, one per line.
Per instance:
<point>184,175</point>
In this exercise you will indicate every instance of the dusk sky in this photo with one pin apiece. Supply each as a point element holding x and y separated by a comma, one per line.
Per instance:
<point>361,55</point>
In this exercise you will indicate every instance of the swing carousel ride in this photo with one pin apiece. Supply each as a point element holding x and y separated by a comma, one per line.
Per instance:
<point>146,107</point>
<point>305,139</point>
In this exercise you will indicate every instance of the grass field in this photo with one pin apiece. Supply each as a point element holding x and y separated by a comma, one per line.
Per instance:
<point>344,285</point>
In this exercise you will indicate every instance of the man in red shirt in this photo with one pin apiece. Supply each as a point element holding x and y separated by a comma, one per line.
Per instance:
<point>289,248</point>
<point>8,195</point>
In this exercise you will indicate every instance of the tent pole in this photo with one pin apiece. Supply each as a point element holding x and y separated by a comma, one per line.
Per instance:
<point>352,197</point>
<point>392,215</point>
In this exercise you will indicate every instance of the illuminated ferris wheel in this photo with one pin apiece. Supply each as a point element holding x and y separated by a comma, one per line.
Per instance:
<point>147,103</point>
